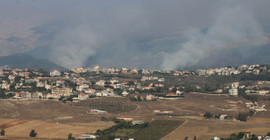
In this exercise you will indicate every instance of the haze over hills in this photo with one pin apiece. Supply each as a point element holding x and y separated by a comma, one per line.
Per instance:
<point>28,62</point>
<point>228,33</point>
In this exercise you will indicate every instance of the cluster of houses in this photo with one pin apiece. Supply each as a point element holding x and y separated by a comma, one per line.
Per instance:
<point>254,69</point>
<point>53,84</point>
<point>248,135</point>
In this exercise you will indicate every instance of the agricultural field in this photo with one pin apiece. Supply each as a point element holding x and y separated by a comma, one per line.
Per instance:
<point>59,119</point>
<point>111,105</point>
<point>156,130</point>
<point>20,129</point>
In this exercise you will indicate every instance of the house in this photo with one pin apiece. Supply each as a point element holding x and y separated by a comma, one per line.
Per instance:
<point>134,122</point>
<point>161,80</point>
<point>90,91</point>
<point>100,83</point>
<point>145,71</point>
<point>47,86</point>
<point>117,86</point>
<point>82,87</point>
<point>110,91</point>
<point>125,93</point>
<point>24,74</point>
<point>247,134</point>
<point>144,78</point>
<point>96,111</point>
<point>5,86</point>
<point>179,93</point>
<point>147,88</point>
<point>216,138</point>
<point>11,77</point>
<point>62,91</point>
<point>39,84</point>
<point>88,136</point>
<point>82,96</point>
<point>102,93</point>
<point>134,71</point>
<point>54,73</point>
<point>124,70</point>
<point>150,97</point>
<point>263,92</point>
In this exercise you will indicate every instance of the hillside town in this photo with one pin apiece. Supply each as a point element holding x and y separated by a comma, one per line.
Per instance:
<point>80,83</point>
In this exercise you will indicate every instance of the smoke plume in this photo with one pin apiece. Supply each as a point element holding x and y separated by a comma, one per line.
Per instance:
<point>231,26</point>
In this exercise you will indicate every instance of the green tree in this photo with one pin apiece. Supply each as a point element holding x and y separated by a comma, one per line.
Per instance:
<point>2,132</point>
<point>240,135</point>
<point>33,133</point>
<point>208,115</point>
<point>186,138</point>
<point>194,138</point>
<point>242,117</point>
<point>70,137</point>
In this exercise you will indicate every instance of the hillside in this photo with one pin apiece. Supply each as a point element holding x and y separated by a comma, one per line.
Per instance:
<point>25,61</point>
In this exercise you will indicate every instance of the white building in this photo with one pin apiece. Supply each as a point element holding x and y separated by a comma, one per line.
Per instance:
<point>55,73</point>
<point>234,90</point>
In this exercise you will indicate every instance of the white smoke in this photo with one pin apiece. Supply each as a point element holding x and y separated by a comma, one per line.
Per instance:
<point>96,33</point>
<point>72,47</point>
<point>230,26</point>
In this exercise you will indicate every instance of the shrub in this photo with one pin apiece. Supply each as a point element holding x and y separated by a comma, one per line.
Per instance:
<point>33,133</point>
<point>2,132</point>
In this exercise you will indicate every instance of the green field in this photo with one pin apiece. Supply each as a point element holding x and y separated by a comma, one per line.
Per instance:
<point>156,130</point>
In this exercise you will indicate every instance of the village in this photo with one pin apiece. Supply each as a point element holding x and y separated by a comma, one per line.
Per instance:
<point>83,83</point>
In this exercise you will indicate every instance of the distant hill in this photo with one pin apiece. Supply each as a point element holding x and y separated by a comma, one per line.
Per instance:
<point>25,61</point>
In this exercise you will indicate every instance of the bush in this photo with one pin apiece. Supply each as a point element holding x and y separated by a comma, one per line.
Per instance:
<point>33,133</point>
<point>242,117</point>
<point>70,137</point>
<point>2,132</point>
<point>208,115</point>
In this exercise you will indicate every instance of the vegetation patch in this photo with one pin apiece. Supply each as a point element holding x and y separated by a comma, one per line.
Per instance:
<point>156,130</point>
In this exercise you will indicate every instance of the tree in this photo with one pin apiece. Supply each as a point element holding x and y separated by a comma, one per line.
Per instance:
<point>242,117</point>
<point>186,138</point>
<point>32,133</point>
<point>2,132</point>
<point>61,98</point>
<point>70,137</point>
<point>194,138</point>
<point>240,135</point>
<point>208,115</point>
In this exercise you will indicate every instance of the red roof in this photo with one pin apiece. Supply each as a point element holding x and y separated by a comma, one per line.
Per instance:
<point>171,94</point>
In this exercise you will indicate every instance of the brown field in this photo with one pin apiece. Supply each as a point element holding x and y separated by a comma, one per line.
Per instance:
<point>21,128</point>
<point>42,116</point>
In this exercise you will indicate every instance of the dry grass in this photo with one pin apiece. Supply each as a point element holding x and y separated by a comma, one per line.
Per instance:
<point>75,120</point>
<point>52,130</point>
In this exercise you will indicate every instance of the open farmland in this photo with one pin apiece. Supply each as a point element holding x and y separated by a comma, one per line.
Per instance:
<point>73,117</point>
<point>111,105</point>
<point>156,130</point>
<point>21,129</point>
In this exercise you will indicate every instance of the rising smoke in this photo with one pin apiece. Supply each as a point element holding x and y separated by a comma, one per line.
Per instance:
<point>153,34</point>
<point>102,37</point>
<point>231,26</point>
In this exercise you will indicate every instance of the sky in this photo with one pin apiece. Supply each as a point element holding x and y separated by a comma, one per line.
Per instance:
<point>155,34</point>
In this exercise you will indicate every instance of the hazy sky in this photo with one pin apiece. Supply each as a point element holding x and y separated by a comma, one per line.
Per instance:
<point>163,34</point>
